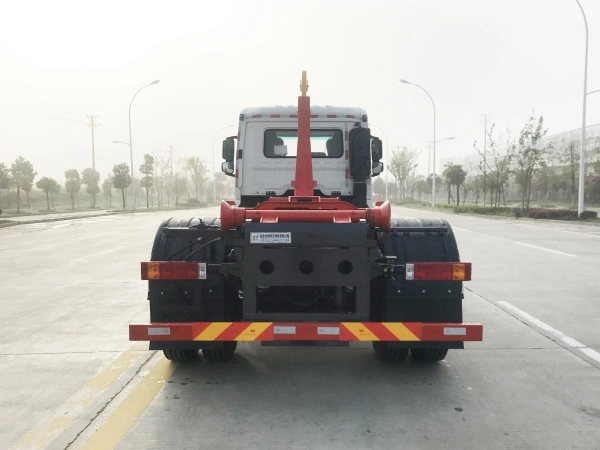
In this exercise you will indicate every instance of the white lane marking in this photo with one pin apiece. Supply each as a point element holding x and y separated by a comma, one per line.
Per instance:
<point>595,236</point>
<point>93,255</point>
<point>547,249</point>
<point>567,341</point>
<point>591,353</point>
<point>517,242</point>
<point>461,229</point>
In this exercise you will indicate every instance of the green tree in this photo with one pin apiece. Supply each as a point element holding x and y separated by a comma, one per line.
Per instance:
<point>597,160</point>
<point>4,177</point>
<point>438,182</point>
<point>47,185</point>
<point>72,184</point>
<point>147,168</point>
<point>55,189</point>
<point>121,178</point>
<point>530,156</point>
<point>379,187</point>
<point>392,189</point>
<point>197,171</point>
<point>162,165</point>
<point>496,166</point>
<point>5,180</point>
<point>90,177</point>
<point>107,189</point>
<point>422,186</point>
<point>476,186</point>
<point>22,176</point>
<point>569,156</point>
<point>402,166</point>
<point>455,176</point>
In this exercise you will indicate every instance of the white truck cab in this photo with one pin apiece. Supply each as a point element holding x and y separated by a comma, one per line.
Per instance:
<point>265,157</point>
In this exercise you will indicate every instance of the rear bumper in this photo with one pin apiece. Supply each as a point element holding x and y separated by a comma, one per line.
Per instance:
<point>306,331</point>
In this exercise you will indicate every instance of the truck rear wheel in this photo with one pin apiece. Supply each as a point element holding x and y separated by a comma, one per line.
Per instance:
<point>399,300</point>
<point>184,355</point>
<point>222,354</point>
<point>387,353</point>
<point>428,354</point>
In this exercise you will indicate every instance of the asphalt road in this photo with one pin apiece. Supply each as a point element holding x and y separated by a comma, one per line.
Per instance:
<point>70,378</point>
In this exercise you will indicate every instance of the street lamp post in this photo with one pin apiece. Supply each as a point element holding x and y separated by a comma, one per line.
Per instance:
<point>131,142</point>
<point>213,162</point>
<point>429,153</point>
<point>585,94</point>
<point>387,158</point>
<point>433,103</point>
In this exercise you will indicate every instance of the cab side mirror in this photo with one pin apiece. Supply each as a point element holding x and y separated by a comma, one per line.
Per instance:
<point>360,154</point>
<point>377,168</point>
<point>227,168</point>
<point>228,150</point>
<point>376,148</point>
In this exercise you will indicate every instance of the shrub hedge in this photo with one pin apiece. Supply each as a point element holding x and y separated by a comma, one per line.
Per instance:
<point>561,214</point>
<point>193,201</point>
<point>557,214</point>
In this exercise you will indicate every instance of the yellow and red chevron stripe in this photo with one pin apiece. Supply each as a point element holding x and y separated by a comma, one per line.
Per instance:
<point>305,331</point>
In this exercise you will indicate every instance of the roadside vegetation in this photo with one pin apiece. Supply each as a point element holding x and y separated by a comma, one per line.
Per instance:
<point>187,184</point>
<point>512,176</point>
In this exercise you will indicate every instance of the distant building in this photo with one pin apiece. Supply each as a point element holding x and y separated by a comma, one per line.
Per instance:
<point>559,142</point>
<point>573,137</point>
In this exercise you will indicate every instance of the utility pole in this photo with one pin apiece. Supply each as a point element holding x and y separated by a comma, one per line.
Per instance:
<point>93,124</point>
<point>428,164</point>
<point>428,159</point>
<point>171,150</point>
<point>582,154</point>
<point>485,117</point>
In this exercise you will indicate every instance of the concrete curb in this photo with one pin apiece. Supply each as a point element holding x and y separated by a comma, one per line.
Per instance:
<point>100,214</point>
<point>53,219</point>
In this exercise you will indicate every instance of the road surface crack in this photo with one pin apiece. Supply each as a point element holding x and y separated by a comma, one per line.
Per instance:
<point>109,401</point>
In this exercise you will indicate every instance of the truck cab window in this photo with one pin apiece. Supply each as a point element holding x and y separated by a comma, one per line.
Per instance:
<point>324,143</point>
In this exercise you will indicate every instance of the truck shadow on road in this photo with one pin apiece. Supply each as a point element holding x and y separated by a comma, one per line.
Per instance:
<point>281,390</point>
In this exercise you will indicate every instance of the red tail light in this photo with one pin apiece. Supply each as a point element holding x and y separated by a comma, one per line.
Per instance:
<point>176,270</point>
<point>438,271</point>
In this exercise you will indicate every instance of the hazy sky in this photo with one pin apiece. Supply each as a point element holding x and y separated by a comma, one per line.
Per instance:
<point>63,61</point>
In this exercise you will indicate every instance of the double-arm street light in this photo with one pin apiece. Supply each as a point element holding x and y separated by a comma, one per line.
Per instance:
<point>585,94</point>
<point>130,141</point>
<point>433,103</point>
<point>441,140</point>
<point>213,162</point>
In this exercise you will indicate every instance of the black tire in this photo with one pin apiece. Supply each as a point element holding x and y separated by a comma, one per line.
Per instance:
<point>428,354</point>
<point>388,354</point>
<point>219,355</point>
<point>184,355</point>
<point>166,246</point>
